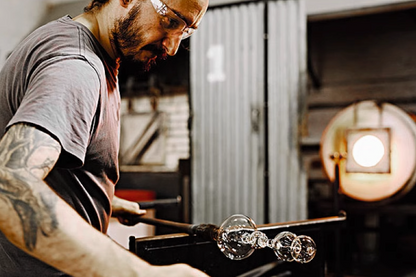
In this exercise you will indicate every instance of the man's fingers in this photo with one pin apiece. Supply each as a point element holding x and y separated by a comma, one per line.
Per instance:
<point>141,211</point>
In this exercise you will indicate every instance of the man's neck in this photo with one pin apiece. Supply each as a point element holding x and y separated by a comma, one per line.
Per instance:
<point>99,25</point>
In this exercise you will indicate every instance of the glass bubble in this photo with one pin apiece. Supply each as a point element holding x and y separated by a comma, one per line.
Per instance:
<point>303,249</point>
<point>282,245</point>
<point>233,235</point>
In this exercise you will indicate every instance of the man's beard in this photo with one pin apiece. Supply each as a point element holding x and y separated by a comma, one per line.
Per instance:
<point>125,39</point>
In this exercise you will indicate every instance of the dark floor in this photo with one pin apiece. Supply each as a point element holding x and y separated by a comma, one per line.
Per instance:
<point>375,241</point>
<point>384,271</point>
<point>392,268</point>
<point>374,255</point>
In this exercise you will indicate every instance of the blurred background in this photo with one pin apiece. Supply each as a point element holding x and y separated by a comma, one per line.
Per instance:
<point>258,114</point>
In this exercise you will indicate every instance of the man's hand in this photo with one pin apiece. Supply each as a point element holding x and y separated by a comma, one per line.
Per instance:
<point>126,211</point>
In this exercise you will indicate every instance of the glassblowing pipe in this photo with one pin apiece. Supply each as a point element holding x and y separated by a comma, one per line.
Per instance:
<point>206,231</point>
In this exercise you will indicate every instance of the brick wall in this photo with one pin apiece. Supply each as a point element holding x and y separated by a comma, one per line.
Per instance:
<point>175,137</point>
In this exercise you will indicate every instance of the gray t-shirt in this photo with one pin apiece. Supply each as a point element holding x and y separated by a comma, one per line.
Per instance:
<point>61,80</point>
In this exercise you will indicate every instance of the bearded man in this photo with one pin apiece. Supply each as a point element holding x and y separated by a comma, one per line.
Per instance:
<point>59,112</point>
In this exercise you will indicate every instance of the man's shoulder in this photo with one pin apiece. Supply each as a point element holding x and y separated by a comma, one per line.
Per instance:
<point>59,40</point>
<point>61,36</point>
<point>65,36</point>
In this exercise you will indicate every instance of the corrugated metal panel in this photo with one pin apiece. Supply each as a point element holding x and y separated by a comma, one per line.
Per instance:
<point>286,94</point>
<point>227,96</point>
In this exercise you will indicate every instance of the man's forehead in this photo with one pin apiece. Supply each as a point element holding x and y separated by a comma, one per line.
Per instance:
<point>190,10</point>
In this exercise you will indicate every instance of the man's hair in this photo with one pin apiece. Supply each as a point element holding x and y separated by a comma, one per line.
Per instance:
<point>95,4</point>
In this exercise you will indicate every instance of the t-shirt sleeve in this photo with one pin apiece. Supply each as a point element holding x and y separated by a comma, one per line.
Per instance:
<point>62,98</point>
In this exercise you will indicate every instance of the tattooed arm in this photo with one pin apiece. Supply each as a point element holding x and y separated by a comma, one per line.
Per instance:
<point>40,223</point>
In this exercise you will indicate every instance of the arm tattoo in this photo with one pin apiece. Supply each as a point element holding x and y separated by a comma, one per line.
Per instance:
<point>26,157</point>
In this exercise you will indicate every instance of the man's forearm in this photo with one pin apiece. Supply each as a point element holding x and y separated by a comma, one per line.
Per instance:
<point>40,223</point>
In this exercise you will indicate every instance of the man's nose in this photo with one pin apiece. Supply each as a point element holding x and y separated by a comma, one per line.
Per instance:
<point>171,44</point>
